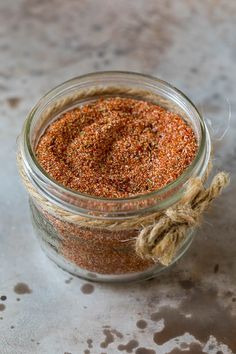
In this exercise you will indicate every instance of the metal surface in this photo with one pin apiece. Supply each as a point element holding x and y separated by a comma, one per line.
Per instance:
<point>188,43</point>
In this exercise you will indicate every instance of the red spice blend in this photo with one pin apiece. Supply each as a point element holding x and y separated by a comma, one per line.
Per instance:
<point>117,147</point>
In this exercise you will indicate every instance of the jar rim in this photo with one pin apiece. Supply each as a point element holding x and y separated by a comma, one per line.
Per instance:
<point>46,178</point>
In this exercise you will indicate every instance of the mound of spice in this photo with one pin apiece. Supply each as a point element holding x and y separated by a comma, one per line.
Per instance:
<point>116,147</point>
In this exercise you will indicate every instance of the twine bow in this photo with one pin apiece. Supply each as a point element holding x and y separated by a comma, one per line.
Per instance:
<point>161,240</point>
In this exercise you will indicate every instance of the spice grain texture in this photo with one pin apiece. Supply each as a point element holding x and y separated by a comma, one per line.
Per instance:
<point>117,148</point>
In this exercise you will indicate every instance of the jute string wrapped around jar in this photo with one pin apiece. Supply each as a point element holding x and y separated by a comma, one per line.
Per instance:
<point>160,233</point>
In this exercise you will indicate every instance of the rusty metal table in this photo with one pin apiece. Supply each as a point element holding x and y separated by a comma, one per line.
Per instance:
<point>192,307</point>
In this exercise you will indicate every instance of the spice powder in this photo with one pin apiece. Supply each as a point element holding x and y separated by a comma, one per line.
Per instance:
<point>113,148</point>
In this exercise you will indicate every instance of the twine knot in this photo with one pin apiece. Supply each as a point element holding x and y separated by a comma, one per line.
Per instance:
<point>161,240</point>
<point>182,215</point>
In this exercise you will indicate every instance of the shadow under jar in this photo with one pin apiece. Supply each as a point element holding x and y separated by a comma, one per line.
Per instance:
<point>70,225</point>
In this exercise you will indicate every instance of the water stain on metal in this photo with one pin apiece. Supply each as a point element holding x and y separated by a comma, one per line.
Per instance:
<point>1,318</point>
<point>186,284</point>
<point>117,333</point>
<point>206,318</point>
<point>18,299</point>
<point>3,297</point>
<point>22,288</point>
<point>132,344</point>
<point>12,327</point>
<point>2,307</point>
<point>90,343</point>
<point>87,288</point>
<point>145,351</point>
<point>141,324</point>
<point>216,268</point>
<point>109,338</point>
<point>13,102</point>
<point>68,281</point>
<point>228,293</point>
<point>193,348</point>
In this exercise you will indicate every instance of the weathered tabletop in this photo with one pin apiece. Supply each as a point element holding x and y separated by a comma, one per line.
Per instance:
<point>192,307</point>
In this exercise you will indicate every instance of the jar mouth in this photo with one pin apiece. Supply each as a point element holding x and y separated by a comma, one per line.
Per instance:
<point>36,170</point>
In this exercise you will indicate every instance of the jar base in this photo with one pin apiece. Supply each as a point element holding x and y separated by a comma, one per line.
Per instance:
<point>71,268</point>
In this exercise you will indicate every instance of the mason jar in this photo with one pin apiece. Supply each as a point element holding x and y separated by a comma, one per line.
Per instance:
<point>72,226</point>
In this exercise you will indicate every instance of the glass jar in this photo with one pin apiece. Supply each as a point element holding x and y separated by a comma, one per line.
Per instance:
<point>96,253</point>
